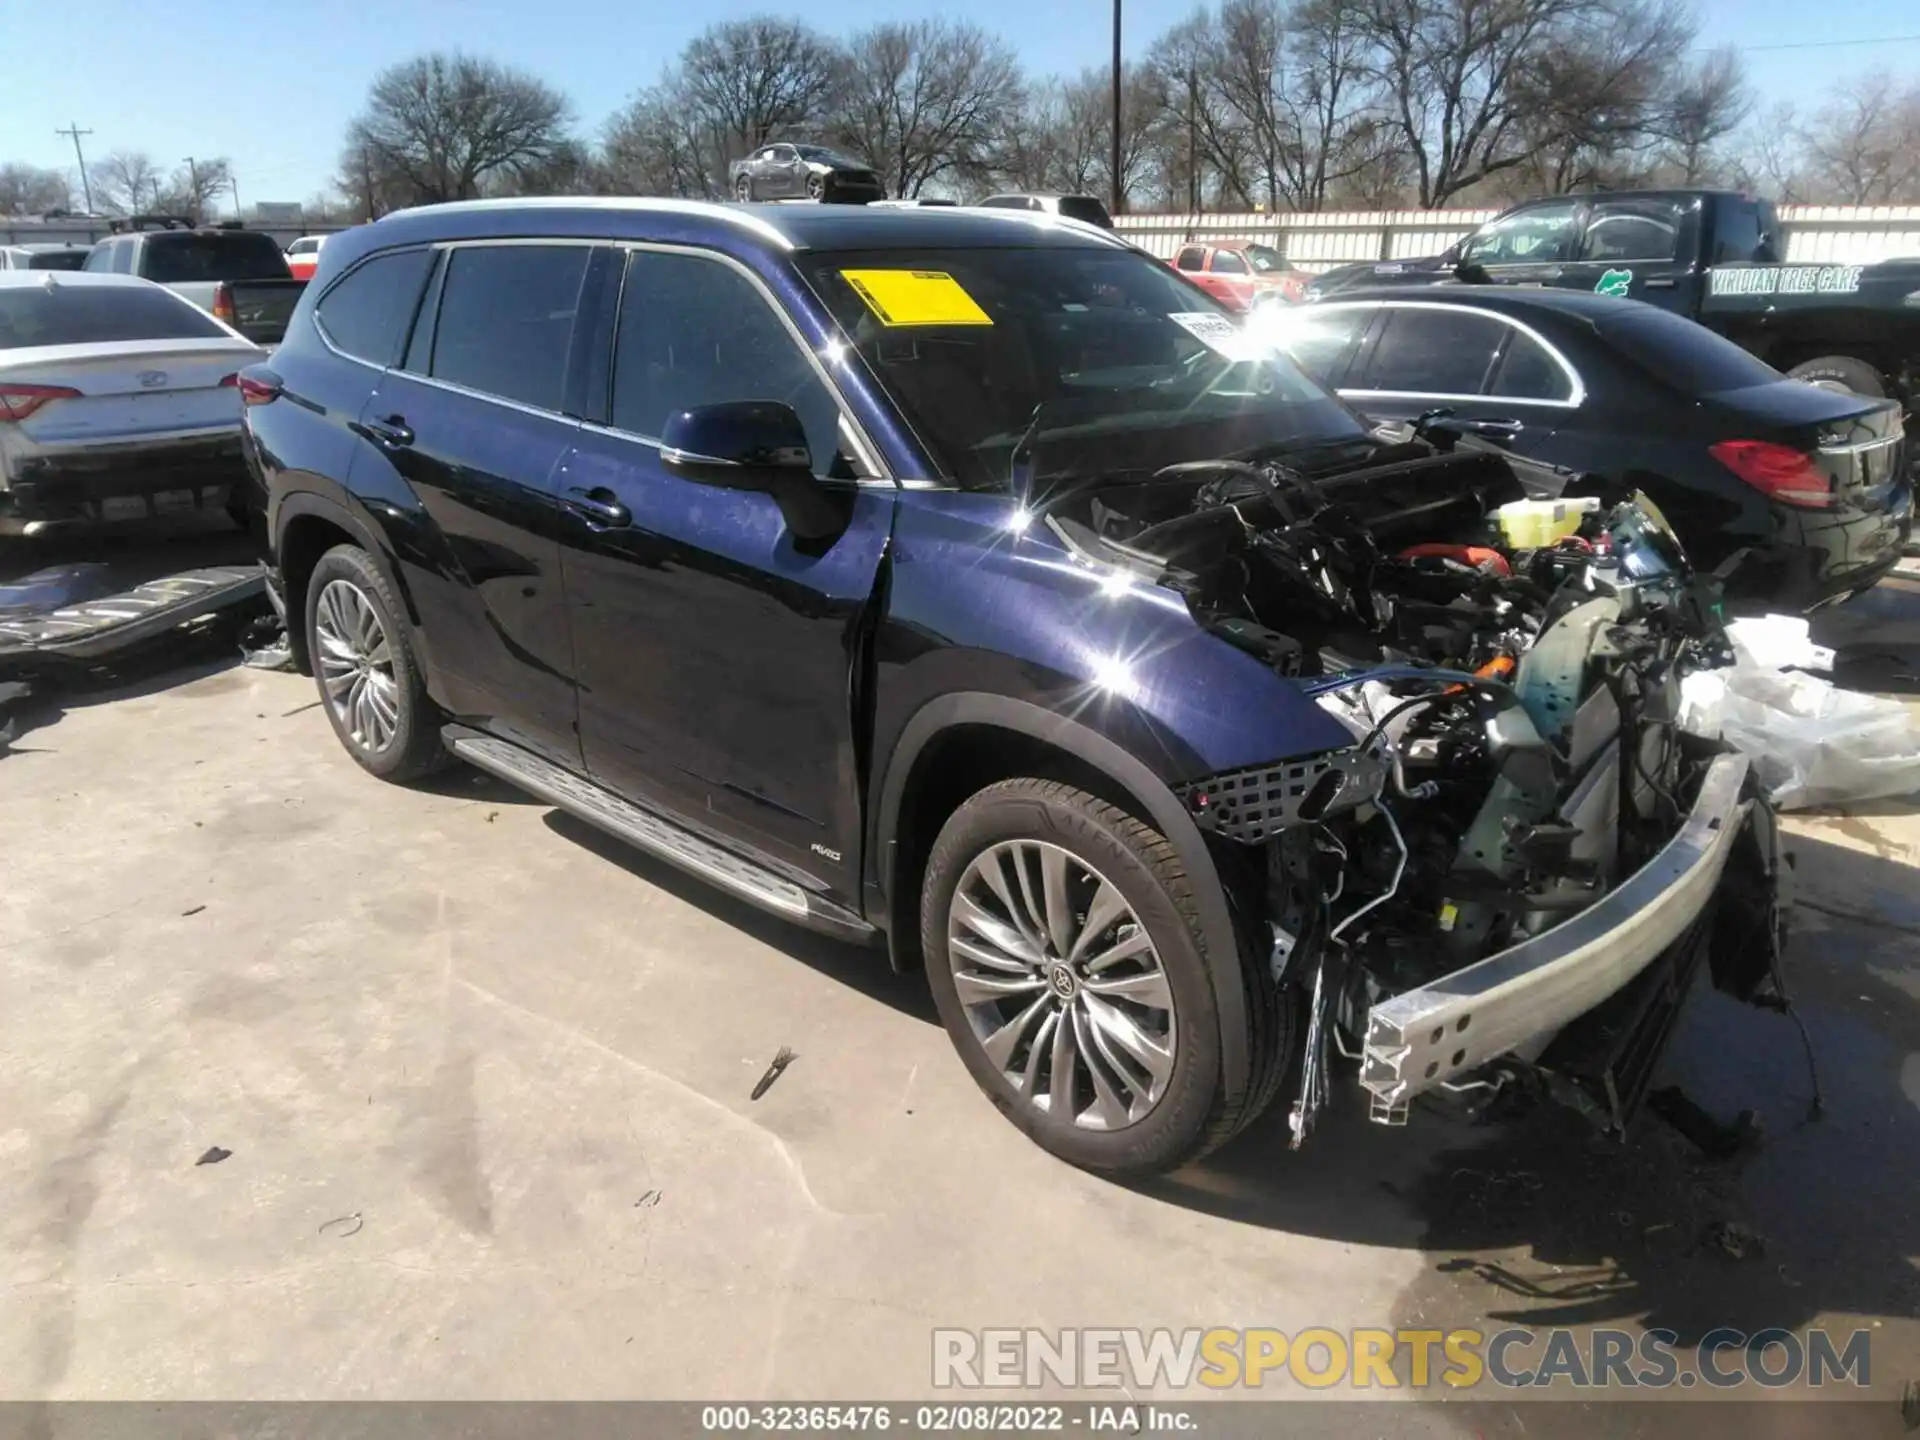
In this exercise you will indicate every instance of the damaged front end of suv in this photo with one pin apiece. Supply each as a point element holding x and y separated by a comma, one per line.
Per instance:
<point>1514,871</point>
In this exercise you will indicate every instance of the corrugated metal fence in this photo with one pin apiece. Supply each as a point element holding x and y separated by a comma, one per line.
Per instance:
<point>1853,234</point>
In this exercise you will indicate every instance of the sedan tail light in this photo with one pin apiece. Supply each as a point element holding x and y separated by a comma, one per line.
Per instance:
<point>17,402</point>
<point>1777,471</point>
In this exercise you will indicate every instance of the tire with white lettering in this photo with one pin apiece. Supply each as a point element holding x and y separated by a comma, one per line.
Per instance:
<point>1842,373</point>
<point>1067,960</point>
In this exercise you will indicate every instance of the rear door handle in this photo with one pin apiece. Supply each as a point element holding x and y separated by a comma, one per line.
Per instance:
<point>392,433</point>
<point>598,507</point>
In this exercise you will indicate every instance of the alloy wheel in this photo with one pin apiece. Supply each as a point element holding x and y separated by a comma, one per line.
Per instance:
<point>355,660</point>
<point>744,189</point>
<point>816,187</point>
<point>1061,984</point>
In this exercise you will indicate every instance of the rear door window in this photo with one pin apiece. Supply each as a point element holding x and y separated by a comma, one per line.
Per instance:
<point>1644,230</point>
<point>367,312</point>
<point>694,331</point>
<point>81,314</point>
<point>1528,372</point>
<point>1193,257</point>
<point>174,257</point>
<point>1433,352</point>
<point>1229,262</point>
<point>506,320</point>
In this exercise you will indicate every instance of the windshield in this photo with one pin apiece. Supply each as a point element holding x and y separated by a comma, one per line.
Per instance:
<point>1133,368</point>
<point>825,156</point>
<point>1263,259</point>
<point>56,259</point>
<point>244,255</point>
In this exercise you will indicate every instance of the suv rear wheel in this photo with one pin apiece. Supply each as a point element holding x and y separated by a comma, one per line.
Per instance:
<point>369,682</point>
<point>1065,956</point>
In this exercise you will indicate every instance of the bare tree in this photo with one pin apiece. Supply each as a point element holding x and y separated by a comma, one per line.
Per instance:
<point>1463,80</point>
<point>653,147</point>
<point>921,101</point>
<point>1706,105</point>
<point>1865,146</point>
<point>1592,106</point>
<point>442,126</point>
<point>127,181</point>
<point>1769,155</point>
<point>30,190</point>
<point>196,190</point>
<point>746,81</point>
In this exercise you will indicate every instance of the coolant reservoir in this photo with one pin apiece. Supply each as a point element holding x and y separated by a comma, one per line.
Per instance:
<point>1536,524</point>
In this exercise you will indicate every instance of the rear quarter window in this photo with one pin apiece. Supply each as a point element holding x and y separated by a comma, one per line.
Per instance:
<point>98,315</point>
<point>368,311</point>
<point>1688,357</point>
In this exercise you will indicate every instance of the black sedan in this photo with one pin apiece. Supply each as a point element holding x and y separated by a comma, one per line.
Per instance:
<point>1802,493</point>
<point>805,172</point>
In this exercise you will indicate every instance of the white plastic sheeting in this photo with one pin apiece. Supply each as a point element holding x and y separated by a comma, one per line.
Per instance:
<point>1811,744</point>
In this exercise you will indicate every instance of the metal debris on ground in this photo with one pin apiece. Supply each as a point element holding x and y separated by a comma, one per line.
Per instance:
<point>340,1227</point>
<point>1733,1239</point>
<point>265,645</point>
<point>213,1156</point>
<point>194,911</point>
<point>647,1201</point>
<point>784,1058</point>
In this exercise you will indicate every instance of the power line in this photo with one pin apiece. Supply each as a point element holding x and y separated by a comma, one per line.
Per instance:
<point>74,131</point>
<point>1816,44</point>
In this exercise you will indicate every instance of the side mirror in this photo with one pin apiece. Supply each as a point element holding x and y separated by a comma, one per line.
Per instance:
<point>757,445</point>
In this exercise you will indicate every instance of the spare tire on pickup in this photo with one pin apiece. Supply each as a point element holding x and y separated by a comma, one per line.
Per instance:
<point>1841,372</point>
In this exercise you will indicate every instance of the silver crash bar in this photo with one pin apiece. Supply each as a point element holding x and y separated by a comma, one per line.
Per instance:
<point>1420,1039</point>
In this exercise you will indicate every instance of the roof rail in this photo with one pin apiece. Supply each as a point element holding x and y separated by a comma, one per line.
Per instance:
<point>129,223</point>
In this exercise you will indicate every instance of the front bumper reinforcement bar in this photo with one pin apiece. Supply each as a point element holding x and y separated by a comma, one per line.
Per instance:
<point>1423,1038</point>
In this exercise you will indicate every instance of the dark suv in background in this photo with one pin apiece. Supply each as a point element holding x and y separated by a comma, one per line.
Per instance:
<point>970,582</point>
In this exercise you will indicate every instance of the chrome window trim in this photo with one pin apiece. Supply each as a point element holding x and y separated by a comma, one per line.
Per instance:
<point>661,205</point>
<point>1553,351</point>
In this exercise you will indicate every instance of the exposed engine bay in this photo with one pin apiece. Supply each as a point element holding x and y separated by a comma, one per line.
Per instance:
<point>1513,709</point>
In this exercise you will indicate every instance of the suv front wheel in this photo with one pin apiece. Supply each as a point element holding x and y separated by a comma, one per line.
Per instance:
<point>1065,956</point>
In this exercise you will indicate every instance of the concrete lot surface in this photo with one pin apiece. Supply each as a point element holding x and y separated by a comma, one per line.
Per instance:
<point>484,1078</point>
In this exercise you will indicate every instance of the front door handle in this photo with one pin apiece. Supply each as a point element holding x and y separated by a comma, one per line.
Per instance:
<point>1500,429</point>
<point>598,507</point>
<point>391,433</point>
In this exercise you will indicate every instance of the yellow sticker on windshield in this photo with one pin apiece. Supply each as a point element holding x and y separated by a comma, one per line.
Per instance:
<point>916,297</point>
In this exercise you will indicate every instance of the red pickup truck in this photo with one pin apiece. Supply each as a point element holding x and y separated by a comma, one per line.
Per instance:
<point>1236,271</point>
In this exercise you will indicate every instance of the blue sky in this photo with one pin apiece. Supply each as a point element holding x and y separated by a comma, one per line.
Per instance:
<point>272,87</point>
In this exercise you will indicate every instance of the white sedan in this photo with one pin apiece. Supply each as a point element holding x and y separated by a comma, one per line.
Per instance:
<point>118,400</point>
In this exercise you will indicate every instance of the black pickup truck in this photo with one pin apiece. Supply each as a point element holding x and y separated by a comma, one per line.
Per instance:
<point>1711,255</point>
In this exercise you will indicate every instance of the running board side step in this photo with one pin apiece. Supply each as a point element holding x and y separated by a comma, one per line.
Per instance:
<point>653,833</point>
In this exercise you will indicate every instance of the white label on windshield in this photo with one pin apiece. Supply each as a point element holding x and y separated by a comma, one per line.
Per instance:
<point>1221,333</point>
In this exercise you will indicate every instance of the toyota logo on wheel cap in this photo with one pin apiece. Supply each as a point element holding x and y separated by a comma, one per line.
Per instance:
<point>152,379</point>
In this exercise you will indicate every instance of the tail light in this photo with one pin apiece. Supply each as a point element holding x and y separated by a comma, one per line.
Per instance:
<point>223,310</point>
<point>17,402</point>
<point>1777,471</point>
<point>252,391</point>
<point>230,382</point>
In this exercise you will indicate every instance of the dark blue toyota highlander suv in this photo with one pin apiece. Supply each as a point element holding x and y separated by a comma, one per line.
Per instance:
<point>970,581</point>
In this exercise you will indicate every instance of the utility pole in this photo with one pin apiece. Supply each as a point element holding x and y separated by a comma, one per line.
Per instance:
<point>1117,189</point>
<point>193,187</point>
<point>1193,139</point>
<point>234,181</point>
<point>74,132</point>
